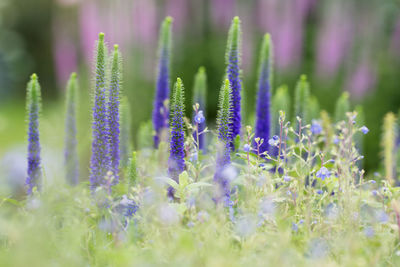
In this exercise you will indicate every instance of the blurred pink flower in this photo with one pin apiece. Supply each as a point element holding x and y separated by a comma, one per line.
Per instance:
<point>361,80</point>
<point>222,12</point>
<point>285,23</point>
<point>334,38</point>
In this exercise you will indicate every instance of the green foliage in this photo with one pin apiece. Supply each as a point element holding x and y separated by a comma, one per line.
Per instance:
<point>280,101</point>
<point>301,100</point>
<point>200,88</point>
<point>313,109</point>
<point>234,39</point>
<point>224,111</point>
<point>342,107</point>
<point>126,137</point>
<point>132,169</point>
<point>34,94</point>
<point>389,137</point>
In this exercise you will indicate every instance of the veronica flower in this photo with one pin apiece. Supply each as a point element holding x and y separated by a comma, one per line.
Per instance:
<point>176,162</point>
<point>33,109</point>
<point>160,112</point>
<point>223,129</point>
<point>232,59</point>
<point>263,120</point>
<point>100,159</point>
<point>125,145</point>
<point>199,96</point>
<point>323,173</point>
<point>113,113</point>
<point>70,152</point>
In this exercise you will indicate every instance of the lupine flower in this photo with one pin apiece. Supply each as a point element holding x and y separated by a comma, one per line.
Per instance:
<point>263,120</point>
<point>113,113</point>
<point>160,113</point>
<point>199,96</point>
<point>232,59</point>
<point>70,152</point>
<point>342,107</point>
<point>33,109</point>
<point>316,127</point>
<point>223,128</point>
<point>364,129</point>
<point>323,173</point>
<point>100,159</point>
<point>176,162</point>
<point>301,99</point>
<point>125,145</point>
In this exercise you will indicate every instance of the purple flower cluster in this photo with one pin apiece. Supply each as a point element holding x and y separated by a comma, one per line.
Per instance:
<point>113,113</point>
<point>223,153</point>
<point>33,108</point>
<point>176,162</point>
<point>233,75</point>
<point>263,121</point>
<point>160,112</point>
<point>100,159</point>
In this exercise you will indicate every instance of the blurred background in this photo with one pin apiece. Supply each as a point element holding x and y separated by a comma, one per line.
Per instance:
<point>341,45</point>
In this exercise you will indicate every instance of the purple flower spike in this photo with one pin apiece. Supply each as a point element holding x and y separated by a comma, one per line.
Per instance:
<point>160,112</point>
<point>100,159</point>
<point>113,113</point>
<point>33,109</point>
<point>176,162</point>
<point>223,152</point>
<point>233,51</point>
<point>263,120</point>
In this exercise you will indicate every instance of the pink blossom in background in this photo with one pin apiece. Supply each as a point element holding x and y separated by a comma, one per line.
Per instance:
<point>90,26</point>
<point>361,80</point>
<point>395,39</point>
<point>285,24</point>
<point>64,50</point>
<point>222,12</point>
<point>247,24</point>
<point>178,9</point>
<point>144,20</point>
<point>334,38</point>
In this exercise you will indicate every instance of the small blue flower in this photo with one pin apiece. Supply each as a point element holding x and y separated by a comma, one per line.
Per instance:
<point>316,128</point>
<point>199,118</point>
<point>295,227</point>
<point>336,140</point>
<point>364,129</point>
<point>323,173</point>
<point>372,181</point>
<point>301,221</point>
<point>374,192</point>
<point>286,178</point>
<point>382,216</point>
<point>320,192</point>
<point>246,148</point>
<point>274,141</point>
<point>369,232</point>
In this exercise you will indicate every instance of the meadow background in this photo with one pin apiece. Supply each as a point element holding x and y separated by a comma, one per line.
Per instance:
<point>341,45</point>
